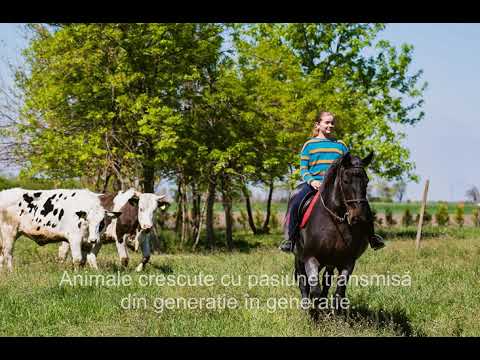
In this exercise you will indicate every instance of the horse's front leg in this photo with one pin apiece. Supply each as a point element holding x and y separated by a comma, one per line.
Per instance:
<point>327,281</point>
<point>301,277</point>
<point>311,268</point>
<point>340,302</point>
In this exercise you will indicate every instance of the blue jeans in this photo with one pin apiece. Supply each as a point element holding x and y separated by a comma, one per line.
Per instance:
<point>297,196</point>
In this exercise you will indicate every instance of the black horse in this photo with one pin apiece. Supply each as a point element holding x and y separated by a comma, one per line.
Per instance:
<point>337,232</point>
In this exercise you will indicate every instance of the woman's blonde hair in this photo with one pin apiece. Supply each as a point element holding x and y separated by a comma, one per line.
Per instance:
<point>318,118</point>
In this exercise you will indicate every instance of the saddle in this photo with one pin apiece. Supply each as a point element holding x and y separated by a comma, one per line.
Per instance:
<point>306,206</point>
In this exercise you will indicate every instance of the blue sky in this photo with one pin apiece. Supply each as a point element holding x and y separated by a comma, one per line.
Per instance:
<point>445,143</point>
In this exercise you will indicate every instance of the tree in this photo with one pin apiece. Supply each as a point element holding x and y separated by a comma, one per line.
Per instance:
<point>368,93</point>
<point>460,214</point>
<point>399,189</point>
<point>473,194</point>
<point>441,216</point>
<point>107,96</point>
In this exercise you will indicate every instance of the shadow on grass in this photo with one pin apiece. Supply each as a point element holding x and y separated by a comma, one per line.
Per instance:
<point>165,268</point>
<point>380,318</point>
<point>397,319</point>
<point>410,233</point>
<point>114,267</point>
<point>242,242</point>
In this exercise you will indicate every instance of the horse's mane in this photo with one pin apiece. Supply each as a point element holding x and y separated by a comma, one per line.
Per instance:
<point>330,176</point>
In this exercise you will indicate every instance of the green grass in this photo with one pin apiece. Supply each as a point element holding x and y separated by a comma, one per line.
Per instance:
<point>441,301</point>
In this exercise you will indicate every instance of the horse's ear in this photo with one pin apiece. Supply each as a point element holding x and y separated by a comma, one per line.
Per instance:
<point>368,159</point>
<point>347,159</point>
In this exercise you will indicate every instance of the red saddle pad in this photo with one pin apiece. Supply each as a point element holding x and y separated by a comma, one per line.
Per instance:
<point>307,214</point>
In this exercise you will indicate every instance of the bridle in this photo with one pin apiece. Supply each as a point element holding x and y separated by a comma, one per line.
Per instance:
<point>345,201</point>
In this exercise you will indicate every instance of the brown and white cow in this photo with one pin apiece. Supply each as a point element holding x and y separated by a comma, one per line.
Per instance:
<point>135,222</point>
<point>45,216</point>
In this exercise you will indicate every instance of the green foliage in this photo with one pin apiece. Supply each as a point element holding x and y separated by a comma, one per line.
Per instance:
<point>459,214</point>
<point>274,223</point>
<point>36,183</point>
<point>441,216</point>
<point>111,96</point>
<point>242,219</point>
<point>427,218</point>
<point>407,218</point>
<point>258,218</point>
<point>476,217</point>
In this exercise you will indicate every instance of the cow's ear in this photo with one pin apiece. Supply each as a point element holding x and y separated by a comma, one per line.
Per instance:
<point>113,214</point>
<point>134,200</point>
<point>368,159</point>
<point>81,214</point>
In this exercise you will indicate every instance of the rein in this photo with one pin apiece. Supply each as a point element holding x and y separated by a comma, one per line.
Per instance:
<point>345,201</point>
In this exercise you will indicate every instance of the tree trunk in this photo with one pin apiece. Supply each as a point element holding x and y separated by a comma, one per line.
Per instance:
<point>149,169</point>
<point>210,204</point>
<point>148,178</point>
<point>195,214</point>
<point>265,229</point>
<point>107,179</point>
<point>202,213</point>
<point>249,209</point>
<point>179,200</point>
<point>185,220</point>
<point>227,207</point>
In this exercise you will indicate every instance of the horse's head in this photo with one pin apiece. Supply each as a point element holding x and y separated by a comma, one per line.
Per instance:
<point>353,181</point>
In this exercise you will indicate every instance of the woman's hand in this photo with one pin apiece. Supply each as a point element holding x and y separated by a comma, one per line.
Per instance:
<point>316,184</point>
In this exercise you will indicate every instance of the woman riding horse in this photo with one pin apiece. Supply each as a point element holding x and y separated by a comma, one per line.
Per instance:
<point>317,154</point>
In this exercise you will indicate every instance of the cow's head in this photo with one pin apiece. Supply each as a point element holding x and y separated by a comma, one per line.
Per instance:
<point>93,224</point>
<point>147,204</point>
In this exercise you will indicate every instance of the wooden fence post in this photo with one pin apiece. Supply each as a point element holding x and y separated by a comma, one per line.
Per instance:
<point>422,212</point>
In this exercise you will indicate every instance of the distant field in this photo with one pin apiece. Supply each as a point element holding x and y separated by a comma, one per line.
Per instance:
<point>414,207</point>
<point>441,299</point>
<point>397,208</point>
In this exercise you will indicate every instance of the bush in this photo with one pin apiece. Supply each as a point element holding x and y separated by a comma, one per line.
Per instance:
<point>475,216</point>
<point>441,216</point>
<point>389,217</point>
<point>407,218</point>
<point>427,218</point>
<point>243,219</point>
<point>459,214</point>
<point>376,219</point>
<point>274,223</point>
<point>258,218</point>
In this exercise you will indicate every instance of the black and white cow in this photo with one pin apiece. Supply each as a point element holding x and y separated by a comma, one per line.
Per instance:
<point>132,227</point>
<point>148,203</point>
<point>46,216</point>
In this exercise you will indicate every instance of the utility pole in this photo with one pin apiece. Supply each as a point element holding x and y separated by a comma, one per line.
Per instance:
<point>422,212</point>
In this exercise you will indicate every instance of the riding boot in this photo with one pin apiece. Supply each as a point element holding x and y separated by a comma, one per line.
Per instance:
<point>376,242</point>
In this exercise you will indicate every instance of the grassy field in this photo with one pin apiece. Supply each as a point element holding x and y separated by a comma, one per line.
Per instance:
<point>441,299</point>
